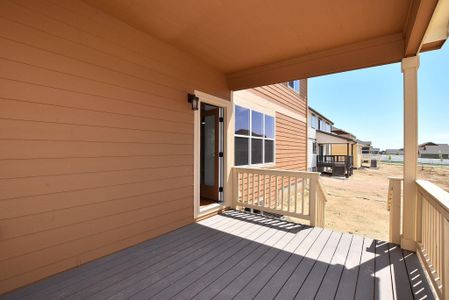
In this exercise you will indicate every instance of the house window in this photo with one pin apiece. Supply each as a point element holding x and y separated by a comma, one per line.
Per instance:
<point>254,137</point>
<point>294,84</point>
<point>314,122</point>
<point>314,148</point>
<point>321,125</point>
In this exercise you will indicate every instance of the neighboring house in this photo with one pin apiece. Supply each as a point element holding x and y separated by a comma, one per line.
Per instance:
<point>433,150</point>
<point>353,146</point>
<point>325,139</point>
<point>394,151</point>
<point>316,122</point>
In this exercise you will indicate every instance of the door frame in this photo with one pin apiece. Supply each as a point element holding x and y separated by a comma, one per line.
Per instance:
<point>228,146</point>
<point>218,167</point>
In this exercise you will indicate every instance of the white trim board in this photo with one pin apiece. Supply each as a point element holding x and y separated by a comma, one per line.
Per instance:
<point>228,148</point>
<point>248,99</point>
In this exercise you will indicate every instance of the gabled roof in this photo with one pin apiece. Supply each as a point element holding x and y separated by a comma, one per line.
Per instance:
<point>321,115</point>
<point>324,137</point>
<point>344,133</point>
<point>428,144</point>
<point>365,143</point>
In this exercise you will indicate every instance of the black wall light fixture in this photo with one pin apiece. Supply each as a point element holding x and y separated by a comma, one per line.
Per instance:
<point>194,100</point>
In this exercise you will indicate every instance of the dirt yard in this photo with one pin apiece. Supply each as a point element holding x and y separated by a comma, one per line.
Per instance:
<point>358,204</point>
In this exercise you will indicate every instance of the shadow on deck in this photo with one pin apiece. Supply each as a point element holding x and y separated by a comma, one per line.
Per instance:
<point>244,256</point>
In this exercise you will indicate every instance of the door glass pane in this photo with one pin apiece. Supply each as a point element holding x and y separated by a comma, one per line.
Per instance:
<point>241,120</point>
<point>241,151</point>
<point>269,151</point>
<point>256,151</point>
<point>257,124</point>
<point>209,150</point>
<point>269,127</point>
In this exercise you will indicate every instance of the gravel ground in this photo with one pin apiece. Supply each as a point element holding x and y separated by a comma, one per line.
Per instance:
<point>358,204</point>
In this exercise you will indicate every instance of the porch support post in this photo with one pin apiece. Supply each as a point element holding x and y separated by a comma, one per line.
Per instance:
<point>409,68</point>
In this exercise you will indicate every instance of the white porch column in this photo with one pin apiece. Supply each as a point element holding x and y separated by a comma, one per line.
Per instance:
<point>410,70</point>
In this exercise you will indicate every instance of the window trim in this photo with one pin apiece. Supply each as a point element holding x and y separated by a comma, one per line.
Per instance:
<point>263,138</point>
<point>312,124</point>
<point>293,88</point>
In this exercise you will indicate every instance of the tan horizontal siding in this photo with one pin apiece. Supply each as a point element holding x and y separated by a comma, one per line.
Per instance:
<point>285,96</point>
<point>291,143</point>
<point>96,136</point>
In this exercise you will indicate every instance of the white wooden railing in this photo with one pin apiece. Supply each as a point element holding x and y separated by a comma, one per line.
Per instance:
<point>432,229</point>
<point>295,194</point>
<point>394,205</point>
<point>433,234</point>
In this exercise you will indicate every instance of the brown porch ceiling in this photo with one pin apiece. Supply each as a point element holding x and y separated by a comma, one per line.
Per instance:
<point>260,42</point>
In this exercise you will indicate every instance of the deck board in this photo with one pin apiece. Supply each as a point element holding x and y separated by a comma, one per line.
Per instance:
<point>140,277</point>
<point>330,281</point>
<point>261,288</point>
<point>310,286</point>
<point>237,263</point>
<point>243,256</point>
<point>401,286</point>
<point>383,283</point>
<point>348,281</point>
<point>366,278</point>
<point>132,271</point>
<point>299,275</point>
<point>419,284</point>
<point>261,271</point>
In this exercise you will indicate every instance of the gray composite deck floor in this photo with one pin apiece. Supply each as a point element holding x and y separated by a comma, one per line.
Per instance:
<point>243,256</point>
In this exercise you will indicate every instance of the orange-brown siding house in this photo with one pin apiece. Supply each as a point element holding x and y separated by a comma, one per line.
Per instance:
<point>99,147</point>
<point>97,138</point>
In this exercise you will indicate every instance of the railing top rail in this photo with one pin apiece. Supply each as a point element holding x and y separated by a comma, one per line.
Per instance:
<point>435,194</point>
<point>396,178</point>
<point>278,172</point>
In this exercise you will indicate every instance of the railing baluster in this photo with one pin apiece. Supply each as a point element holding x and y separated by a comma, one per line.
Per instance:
<point>243,187</point>
<point>440,246</point>
<point>264,192</point>
<point>296,194</point>
<point>257,196</point>
<point>303,194</point>
<point>269,190</point>
<point>277,193</point>
<point>282,193</point>
<point>445,258</point>
<point>252,190</point>
<point>288,197</point>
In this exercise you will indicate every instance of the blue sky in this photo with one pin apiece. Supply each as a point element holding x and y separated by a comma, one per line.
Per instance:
<point>369,102</point>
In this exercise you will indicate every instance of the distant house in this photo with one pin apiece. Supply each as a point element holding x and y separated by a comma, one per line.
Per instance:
<point>433,150</point>
<point>324,139</point>
<point>394,151</point>
<point>354,147</point>
<point>366,146</point>
<point>317,122</point>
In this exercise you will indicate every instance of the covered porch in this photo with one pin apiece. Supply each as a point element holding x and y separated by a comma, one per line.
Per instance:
<point>244,256</point>
<point>99,151</point>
